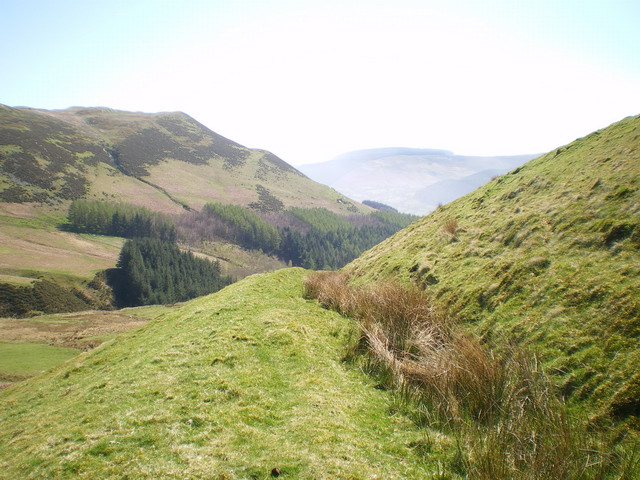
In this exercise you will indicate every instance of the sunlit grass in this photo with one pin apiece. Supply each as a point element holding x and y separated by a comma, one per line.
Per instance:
<point>546,255</point>
<point>31,358</point>
<point>227,386</point>
<point>508,418</point>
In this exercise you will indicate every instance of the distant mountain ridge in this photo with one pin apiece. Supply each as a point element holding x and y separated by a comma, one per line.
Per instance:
<point>403,177</point>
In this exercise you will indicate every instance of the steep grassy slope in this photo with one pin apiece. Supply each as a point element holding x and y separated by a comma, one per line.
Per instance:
<point>547,256</point>
<point>227,386</point>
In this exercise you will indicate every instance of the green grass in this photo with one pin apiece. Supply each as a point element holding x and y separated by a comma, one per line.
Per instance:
<point>227,386</point>
<point>30,247</point>
<point>31,358</point>
<point>545,256</point>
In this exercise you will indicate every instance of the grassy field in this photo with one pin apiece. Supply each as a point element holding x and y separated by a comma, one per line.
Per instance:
<point>23,359</point>
<point>228,386</point>
<point>30,346</point>
<point>32,245</point>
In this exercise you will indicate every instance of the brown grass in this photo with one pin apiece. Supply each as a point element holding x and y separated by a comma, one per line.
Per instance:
<point>509,420</point>
<point>82,330</point>
<point>419,347</point>
<point>451,228</point>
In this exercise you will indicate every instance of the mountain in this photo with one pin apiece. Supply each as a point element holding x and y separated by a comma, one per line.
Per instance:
<point>409,179</point>
<point>546,256</point>
<point>166,161</point>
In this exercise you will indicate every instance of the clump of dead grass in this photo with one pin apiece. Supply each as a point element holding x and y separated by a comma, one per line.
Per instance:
<point>505,411</point>
<point>451,228</point>
<point>419,347</point>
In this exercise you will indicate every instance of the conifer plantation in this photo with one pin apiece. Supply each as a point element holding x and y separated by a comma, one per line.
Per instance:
<point>119,220</point>
<point>304,237</point>
<point>152,269</point>
<point>154,272</point>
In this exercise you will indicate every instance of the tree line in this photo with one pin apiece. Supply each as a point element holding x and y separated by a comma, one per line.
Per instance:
<point>307,237</point>
<point>152,269</point>
<point>244,227</point>
<point>120,220</point>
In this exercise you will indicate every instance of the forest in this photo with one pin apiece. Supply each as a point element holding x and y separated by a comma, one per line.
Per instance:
<point>119,219</point>
<point>151,268</point>
<point>150,271</point>
<point>306,237</point>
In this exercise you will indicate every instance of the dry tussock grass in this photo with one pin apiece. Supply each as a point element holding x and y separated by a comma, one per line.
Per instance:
<point>451,228</point>
<point>425,355</point>
<point>511,423</point>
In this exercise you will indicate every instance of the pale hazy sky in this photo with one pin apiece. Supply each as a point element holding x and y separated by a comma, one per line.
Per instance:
<point>309,80</point>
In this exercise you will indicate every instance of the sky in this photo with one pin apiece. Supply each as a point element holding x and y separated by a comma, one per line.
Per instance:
<point>309,80</point>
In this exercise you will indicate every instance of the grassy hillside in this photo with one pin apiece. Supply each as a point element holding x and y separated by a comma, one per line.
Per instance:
<point>32,245</point>
<point>31,346</point>
<point>35,253</point>
<point>165,161</point>
<point>546,256</point>
<point>227,386</point>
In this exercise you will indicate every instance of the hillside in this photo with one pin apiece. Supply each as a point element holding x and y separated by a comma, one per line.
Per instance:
<point>230,386</point>
<point>256,381</point>
<point>166,161</point>
<point>412,180</point>
<point>546,256</point>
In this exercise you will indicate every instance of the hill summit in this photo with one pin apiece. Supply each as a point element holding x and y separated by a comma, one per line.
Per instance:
<point>166,161</point>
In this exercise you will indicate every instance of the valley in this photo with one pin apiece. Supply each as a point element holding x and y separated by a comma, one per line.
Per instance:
<point>495,337</point>
<point>164,165</point>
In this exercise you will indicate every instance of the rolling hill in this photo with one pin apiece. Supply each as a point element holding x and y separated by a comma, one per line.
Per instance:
<point>546,256</point>
<point>412,180</point>
<point>230,386</point>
